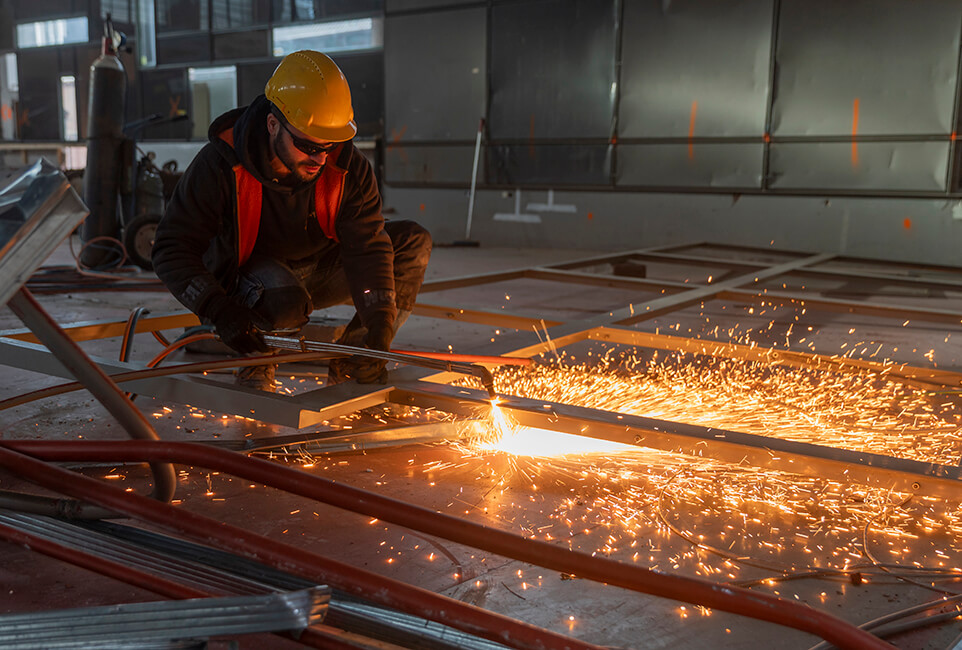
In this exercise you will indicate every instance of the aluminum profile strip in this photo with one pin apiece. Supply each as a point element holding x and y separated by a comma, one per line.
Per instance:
<point>185,567</point>
<point>219,572</point>
<point>401,629</point>
<point>139,623</point>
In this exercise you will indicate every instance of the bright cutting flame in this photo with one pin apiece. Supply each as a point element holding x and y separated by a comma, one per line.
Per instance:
<point>528,441</point>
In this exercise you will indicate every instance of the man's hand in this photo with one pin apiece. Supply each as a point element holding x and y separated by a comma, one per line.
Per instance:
<point>366,369</point>
<point>237,327</point>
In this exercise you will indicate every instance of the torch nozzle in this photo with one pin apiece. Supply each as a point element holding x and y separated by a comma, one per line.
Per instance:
<point>487,380</point>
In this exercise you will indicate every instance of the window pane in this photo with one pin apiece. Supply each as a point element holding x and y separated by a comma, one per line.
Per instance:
<point>212,91</point>
<point>174,15</point>
<point>52,32</point>
<point>336,36</point>
<point>9,85</point>
<point>119,10</point>
<point>293,10</point>
<point>242,45</point>
<point>231,14</point>
<point>68,103</point>
<point>146,34</point>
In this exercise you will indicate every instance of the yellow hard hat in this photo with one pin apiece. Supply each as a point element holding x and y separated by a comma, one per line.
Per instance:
<point>312,93</point>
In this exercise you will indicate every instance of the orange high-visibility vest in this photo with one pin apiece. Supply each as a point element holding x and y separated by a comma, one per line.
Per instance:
<point>328,190</point>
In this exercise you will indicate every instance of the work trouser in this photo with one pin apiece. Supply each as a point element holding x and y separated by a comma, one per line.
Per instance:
<point>284,293</point>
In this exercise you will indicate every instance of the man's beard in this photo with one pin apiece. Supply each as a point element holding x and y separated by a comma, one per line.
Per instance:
<point>297,168</point>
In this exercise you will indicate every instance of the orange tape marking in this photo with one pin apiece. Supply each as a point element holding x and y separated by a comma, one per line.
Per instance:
<point>854,132</point>
<point>691,130</point>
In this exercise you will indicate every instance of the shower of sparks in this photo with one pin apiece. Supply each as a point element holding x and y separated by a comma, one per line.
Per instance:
<point>611,497</point>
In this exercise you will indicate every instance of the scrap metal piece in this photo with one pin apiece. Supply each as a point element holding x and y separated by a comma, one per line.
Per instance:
<point>163,624</point>
<point>38,209</point>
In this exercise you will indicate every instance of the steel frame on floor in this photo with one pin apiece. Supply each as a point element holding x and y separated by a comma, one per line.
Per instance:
<point>740,279</point>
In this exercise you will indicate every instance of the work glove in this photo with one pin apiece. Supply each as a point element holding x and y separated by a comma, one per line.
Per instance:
<point>368,370</point>
<point>238,326</point>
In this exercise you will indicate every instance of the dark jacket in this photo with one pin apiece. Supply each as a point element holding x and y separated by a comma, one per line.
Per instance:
<point>195,246</point>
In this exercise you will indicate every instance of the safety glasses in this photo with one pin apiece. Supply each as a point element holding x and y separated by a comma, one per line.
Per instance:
<point>308,147</point>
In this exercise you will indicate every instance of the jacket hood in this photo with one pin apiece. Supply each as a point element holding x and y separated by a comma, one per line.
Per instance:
<point>249,125</point>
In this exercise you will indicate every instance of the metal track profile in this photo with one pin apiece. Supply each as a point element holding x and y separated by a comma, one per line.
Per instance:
<point>164,624</point>
<point>213,570</point>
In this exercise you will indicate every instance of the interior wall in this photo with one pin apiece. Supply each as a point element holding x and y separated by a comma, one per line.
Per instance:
<point>905,229</point>
<point>817,124</point>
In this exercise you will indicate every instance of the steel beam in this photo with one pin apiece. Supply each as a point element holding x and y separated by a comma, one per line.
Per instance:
<point>924,377</point>
<point>880,279</point>
<point>95,330</point>
<point>575,331</point>
<point>880,310</point>
<point>740,449</point>
<point>471,280</point>
<point>611,281</point>
<point>293,411</point>
<point>495,319</point>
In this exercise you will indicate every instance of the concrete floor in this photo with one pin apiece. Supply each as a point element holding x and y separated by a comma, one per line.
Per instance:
<point>577,501</point>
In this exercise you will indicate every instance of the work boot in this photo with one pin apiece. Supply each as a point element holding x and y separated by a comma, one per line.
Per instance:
<point>337,371</point>
<point>259,377</point>
<point>353,335</point>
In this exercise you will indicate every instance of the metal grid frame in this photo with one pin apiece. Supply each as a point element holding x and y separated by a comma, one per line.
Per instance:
<point>741,280</point>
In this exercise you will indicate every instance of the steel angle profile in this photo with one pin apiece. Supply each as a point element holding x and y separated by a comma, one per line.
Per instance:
<point>38,210</point>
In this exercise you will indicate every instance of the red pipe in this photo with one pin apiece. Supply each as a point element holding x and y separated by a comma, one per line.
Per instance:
<point>378,589</point>
<point>691,590</point>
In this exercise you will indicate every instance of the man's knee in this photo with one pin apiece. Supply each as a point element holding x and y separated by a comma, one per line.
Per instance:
<point>287,308</point>
<point>272,290</point>
<point>410,239</point>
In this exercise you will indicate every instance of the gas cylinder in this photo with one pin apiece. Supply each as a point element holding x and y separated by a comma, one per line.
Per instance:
<point>105,136</point>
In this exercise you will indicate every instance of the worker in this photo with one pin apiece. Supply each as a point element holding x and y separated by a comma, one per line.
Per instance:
<point>279,214</point>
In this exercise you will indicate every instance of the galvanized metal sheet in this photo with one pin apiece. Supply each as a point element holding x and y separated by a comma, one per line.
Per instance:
<point>435,75</point>
<point>553,69</point>
<point>872,67</point>
<point>38,210</point>
<point>696,165</point>
<point>695,67</point>
<point>886,166</point>
<point>427,164</point>
<point>549,164</point>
